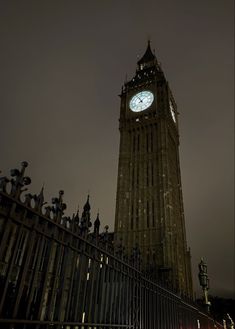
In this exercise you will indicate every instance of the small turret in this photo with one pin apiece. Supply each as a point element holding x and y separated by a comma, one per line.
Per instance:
<point>85,222</point>
<point>97,225</point>
<point>76,217</point>
<point>87,206</point>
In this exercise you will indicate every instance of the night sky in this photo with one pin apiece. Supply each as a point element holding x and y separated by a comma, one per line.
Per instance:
<point>62,66</point>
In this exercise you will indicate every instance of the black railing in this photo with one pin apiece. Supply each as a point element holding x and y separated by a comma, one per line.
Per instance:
<point>55,273</point>
<point>10,324</point>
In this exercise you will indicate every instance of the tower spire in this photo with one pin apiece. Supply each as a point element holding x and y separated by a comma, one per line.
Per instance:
<point>148,59</point>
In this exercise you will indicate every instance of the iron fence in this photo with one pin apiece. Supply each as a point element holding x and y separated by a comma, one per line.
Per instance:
<point>55,273</point>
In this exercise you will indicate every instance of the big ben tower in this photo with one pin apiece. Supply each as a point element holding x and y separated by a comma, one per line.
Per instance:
<point>149,205</point>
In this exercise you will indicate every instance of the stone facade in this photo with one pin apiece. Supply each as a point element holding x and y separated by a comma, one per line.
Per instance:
<point>149,204</point>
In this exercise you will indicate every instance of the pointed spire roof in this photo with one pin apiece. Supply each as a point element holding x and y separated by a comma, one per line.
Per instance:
<point>97,221</point>
<point>97,224</point>
<point>87,206</point>
<point>76,217</point>
<point>148,56</point>
<point>98,216</point>
<point>41,193</point>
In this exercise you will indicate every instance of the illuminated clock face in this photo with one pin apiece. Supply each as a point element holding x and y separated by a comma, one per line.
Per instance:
<point>141,101</point>
<point>172,111</point>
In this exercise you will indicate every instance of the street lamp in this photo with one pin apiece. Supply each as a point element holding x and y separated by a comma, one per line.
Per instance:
<point>204,282</point>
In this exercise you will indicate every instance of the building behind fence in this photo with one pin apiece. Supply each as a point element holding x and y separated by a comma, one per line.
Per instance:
<point>62,272</point>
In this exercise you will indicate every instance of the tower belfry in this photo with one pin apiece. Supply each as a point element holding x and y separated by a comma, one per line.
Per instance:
<point>149,204</point>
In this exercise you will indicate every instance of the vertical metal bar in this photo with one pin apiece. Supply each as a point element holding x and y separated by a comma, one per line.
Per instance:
<point>100,313</point>
<point>75,288</point>
<point>97,287</point>
<point>93,274</point>
<point>41,243</point>
<point>85,286</point>
<point>167,312</point>
<point>132,298</point>
<point>123,298</point>
<point>115,293</point>
<point>141,303</point>
<point>5,236</point>
<point>55,283</point>
<point>145,307</point>
<point>68,313</point>
<point>11,263</point>
<point>148,292</point>
<point>43,302</point>
<point>79,276</point>
<point>156,309</point>
<point>161,325</point>
<point>152,308</point>
<point>24,269</point>
<point>147,303</point>
<point>107,290</point>
<point>174,315</point>
<point>65,276</point>
<point>112,287</point>
<point>140,306</point>
<point>144,304</point>
<point>119,293</point>
<point>127,297</point>
<point>171,314</point>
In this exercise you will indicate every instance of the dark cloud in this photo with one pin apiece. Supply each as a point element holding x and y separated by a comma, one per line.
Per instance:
<point>62,67</point>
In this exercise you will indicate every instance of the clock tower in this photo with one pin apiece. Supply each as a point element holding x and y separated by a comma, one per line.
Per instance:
<point>149,204</point>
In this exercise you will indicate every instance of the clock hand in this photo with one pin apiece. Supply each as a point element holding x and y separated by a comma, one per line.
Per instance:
<point>141,101</point>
